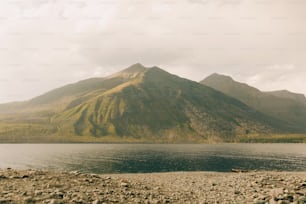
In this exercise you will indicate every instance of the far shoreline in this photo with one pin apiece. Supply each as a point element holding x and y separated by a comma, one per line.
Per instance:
<point>294,138</point>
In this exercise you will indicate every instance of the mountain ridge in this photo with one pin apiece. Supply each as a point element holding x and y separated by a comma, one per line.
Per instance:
<point>142,86</point>
<point>139,103</point>
<point>287,106</point>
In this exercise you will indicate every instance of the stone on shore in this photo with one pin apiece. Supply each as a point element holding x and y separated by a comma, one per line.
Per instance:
<point>35,186</point>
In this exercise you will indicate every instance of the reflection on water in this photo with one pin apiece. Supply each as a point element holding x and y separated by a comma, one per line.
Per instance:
<point>124,158</point>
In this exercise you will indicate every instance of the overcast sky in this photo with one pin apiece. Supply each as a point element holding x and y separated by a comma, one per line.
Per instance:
<point>45,44</point>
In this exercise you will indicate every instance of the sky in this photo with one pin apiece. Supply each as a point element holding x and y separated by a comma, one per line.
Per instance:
<point>45,44</point>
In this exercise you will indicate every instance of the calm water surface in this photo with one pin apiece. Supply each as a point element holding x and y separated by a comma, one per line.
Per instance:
<point>131,158</point>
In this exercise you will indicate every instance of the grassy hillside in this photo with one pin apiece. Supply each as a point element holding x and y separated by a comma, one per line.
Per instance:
<point>138,104</point>
<point>72,94</point>
<point>158,104</point>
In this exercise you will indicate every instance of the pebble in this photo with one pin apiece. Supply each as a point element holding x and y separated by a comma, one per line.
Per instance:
<point>31,186</point>
<point>97,202</point>
<point>123,184</point>
<point>259,202</point>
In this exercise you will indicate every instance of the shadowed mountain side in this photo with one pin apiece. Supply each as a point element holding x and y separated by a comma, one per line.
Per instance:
<point>300,98</point>
<point>158,104</point>
<point>283,105</point>
<point>136,104</point>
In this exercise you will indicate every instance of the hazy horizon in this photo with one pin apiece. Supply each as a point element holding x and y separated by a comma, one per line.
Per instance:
<point>48,44</point>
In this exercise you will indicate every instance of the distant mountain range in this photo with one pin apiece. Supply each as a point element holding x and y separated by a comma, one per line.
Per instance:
<point>283,105</point>
<point>141,104</point>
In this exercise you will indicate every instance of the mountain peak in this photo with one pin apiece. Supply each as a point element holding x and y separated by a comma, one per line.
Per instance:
<point>149,104</point>
<point>284,91</point>
<point>216,76</point>
<point>156,69</point>
<point>135,68</point>
<point>289,95</point>
<point>130,72</point>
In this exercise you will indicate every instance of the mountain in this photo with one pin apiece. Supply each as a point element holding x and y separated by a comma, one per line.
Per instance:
<point>283,105</point>
<point>138,104</point>
<point>300,98</point>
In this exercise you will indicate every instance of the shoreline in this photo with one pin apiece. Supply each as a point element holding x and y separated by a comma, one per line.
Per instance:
<point>38,186</point>
<point>287,138</point>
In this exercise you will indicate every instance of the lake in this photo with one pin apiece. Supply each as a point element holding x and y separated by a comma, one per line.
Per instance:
<point>132,158</point>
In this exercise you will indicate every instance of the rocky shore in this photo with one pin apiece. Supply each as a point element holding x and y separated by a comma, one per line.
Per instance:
<point>35,186</point>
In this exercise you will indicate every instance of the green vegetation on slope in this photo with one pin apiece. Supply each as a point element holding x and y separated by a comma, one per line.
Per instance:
<point>158,104</point>
<point>137,104</point>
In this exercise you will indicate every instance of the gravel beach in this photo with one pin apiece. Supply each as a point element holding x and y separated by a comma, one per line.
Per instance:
<point>35,186</point>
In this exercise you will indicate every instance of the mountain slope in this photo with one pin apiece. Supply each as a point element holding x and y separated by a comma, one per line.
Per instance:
<point>158,104</point>
<point>283,105</point>
<point>136,104</point>
<point>89,85</point>
<point>72,94</point>
<point>300,98</point>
